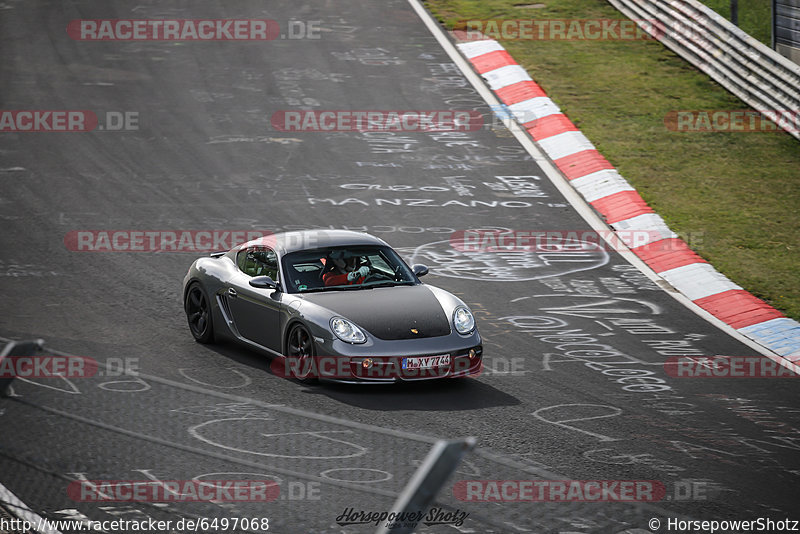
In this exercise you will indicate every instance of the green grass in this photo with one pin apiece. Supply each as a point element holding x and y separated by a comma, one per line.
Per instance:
<point>755,16</point>
<point>732,196</point>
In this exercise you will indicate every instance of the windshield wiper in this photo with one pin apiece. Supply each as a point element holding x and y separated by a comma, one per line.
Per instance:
<point>327,288</point>
<point>343,288</point>
<point>387,283</point>
<point>390,283</point>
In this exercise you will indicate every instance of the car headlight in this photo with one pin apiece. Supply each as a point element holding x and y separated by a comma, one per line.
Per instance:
<point>463,320</point>
<point>347,331</point>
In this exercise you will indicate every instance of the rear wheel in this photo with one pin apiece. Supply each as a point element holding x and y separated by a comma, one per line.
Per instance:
<point>198,313</point>
<point>300,354</point>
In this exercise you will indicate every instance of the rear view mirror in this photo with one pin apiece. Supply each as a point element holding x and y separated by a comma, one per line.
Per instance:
<point>419,269</point>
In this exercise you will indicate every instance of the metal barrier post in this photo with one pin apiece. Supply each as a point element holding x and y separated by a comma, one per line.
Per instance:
<point>420,491</point>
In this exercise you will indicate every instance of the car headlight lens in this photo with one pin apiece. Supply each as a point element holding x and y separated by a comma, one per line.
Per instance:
<point>347,331</point>
<point>463,320</point>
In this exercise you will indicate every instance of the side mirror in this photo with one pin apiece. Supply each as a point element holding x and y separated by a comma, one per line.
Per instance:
<point>263,282</point>
<point>419,269</point>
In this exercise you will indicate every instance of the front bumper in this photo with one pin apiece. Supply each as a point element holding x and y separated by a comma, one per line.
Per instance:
<point>382,361</point>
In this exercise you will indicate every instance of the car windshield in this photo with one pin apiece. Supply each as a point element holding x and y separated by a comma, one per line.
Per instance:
<point>345,268</point>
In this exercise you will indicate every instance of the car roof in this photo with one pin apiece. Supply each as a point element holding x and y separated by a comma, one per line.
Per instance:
<point>286,242</point>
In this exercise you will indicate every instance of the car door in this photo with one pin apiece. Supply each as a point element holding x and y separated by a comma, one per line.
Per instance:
<point>256,312</point>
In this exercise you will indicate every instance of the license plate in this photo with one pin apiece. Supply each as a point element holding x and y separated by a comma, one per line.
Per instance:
<point>426,362</point>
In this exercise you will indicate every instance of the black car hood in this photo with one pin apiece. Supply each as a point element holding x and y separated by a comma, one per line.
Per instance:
<point>389,313</point>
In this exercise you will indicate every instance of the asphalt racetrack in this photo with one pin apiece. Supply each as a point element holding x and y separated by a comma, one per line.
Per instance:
<point>205,156</point>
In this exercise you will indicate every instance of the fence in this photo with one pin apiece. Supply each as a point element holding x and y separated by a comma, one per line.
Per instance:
<point>761,77</point>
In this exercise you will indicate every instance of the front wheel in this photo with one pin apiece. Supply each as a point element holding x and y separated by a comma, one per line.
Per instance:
<point>300,354</point>
<point>198,313</point>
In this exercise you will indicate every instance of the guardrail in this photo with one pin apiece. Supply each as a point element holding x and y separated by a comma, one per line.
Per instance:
<point>786,28</point>
<point>762,78</point>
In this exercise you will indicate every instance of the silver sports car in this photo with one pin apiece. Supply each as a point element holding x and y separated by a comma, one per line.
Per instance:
<point>335,305</point>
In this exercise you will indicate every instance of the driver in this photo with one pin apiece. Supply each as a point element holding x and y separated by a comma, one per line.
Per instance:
<point>346,270</point>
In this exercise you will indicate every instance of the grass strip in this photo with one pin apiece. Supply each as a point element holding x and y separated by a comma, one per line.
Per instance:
<point>733,196</point>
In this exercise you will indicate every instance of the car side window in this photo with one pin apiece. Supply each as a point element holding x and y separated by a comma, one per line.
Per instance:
<point>258,261</point>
